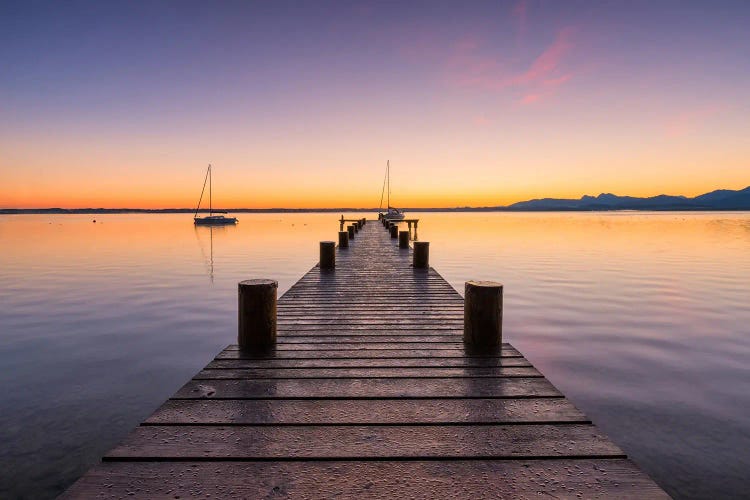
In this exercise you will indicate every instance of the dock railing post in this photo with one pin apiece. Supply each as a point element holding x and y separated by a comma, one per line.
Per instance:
<point>343,239</point>
<point>483,315</point>
<point>256,318</point>
<point>394,231</point>
<point>327,254</point>
<point>421,256</point>
<point>350,229</point>
<point>403,239</point>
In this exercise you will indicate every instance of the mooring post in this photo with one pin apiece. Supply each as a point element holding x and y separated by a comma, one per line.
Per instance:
<point>343,239</point>
<point>421,257</point>
<point>341,223</point>
<point>350,229</point>
<point>403,239</point>
<point>327,254</point>
<point>256,318</point>
<point>415,230</point>
<point>483,315</point>
<point>394,231</point>
<point>364,221</point>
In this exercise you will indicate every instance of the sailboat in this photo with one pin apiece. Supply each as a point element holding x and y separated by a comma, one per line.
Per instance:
<point>211,219</point>
<point>392,213</point>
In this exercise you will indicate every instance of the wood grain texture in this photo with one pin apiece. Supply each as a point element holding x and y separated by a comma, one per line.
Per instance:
<point>428,480</point>
<point>371,441</point>
<point>353,411</point>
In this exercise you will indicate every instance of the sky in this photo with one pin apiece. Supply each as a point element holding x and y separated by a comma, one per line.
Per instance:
<point>300,104</point>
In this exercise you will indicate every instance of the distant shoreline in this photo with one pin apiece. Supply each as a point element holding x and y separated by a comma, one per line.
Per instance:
<point>74,211</point>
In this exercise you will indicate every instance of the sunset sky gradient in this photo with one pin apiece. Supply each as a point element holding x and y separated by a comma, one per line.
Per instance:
<point>300,104</point>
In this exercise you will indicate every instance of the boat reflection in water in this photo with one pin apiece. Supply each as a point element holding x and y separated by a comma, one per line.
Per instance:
<point>208,259</point>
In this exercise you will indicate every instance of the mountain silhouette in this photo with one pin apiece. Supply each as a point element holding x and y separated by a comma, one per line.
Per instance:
<point>721,199</point>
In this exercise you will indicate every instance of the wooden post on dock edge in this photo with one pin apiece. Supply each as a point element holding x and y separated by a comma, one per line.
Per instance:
<point>343,239</point>
<point>328,254</point>
<point>403,239</point>
<point>421,257</point>
<point>256,318</point>
<point>351,232</point>
<point>356,226</point>
<point>394,231</point>
<point>483,315</point>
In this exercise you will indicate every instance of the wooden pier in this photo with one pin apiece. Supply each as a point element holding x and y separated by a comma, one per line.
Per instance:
<point>369,393</point>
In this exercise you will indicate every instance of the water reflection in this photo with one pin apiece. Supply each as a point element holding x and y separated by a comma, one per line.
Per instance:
<point>208,257</point>
<point>642,319</point>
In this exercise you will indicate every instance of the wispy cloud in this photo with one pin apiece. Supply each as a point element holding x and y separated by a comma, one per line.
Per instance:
<point>469,65</point>
<point>691,120</point>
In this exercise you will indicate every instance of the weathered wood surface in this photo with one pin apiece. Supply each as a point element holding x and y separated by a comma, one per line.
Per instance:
<point>369,393</point>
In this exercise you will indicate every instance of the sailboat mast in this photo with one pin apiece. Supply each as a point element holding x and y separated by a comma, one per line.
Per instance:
<point>388,175</point>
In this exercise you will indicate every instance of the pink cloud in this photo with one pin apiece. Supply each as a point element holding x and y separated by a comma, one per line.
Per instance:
<point>691,120</point>
<point>470,66</point>
<point>531,98</point>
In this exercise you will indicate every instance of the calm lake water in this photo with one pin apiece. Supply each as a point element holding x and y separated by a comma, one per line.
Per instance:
<point>642,319</point>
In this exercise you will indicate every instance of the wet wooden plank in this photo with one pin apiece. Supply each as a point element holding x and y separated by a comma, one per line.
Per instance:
<point>369,388</point>
<point>457,362</point>
<point>365,353</point>
<point>355,411</point>
<point>393,340</point>
<point>441,372</point>
<point>359,346</point>
<point>584,478</point>
<point>371,441</point>
<point>455,346</point>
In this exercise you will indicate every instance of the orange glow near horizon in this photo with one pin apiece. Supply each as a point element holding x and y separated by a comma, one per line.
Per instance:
<point>237,189</point>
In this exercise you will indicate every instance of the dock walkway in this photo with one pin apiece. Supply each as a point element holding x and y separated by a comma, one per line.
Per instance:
<point>369,394</point>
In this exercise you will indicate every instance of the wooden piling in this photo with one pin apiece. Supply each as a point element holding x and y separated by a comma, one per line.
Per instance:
<point>483,315</point>
<point>421,257</point>
<point>403,239</point>
<point>256,318</point>
<point>394,231</point>
<point>350,229</point>
<point>343,239</point>
<point>328,254</point>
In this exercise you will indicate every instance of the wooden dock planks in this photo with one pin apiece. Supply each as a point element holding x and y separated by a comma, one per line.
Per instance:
<point>369,393</point>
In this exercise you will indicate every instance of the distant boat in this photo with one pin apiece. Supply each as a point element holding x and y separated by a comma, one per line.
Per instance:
<point>392,213</point>
<point>210,219</point>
